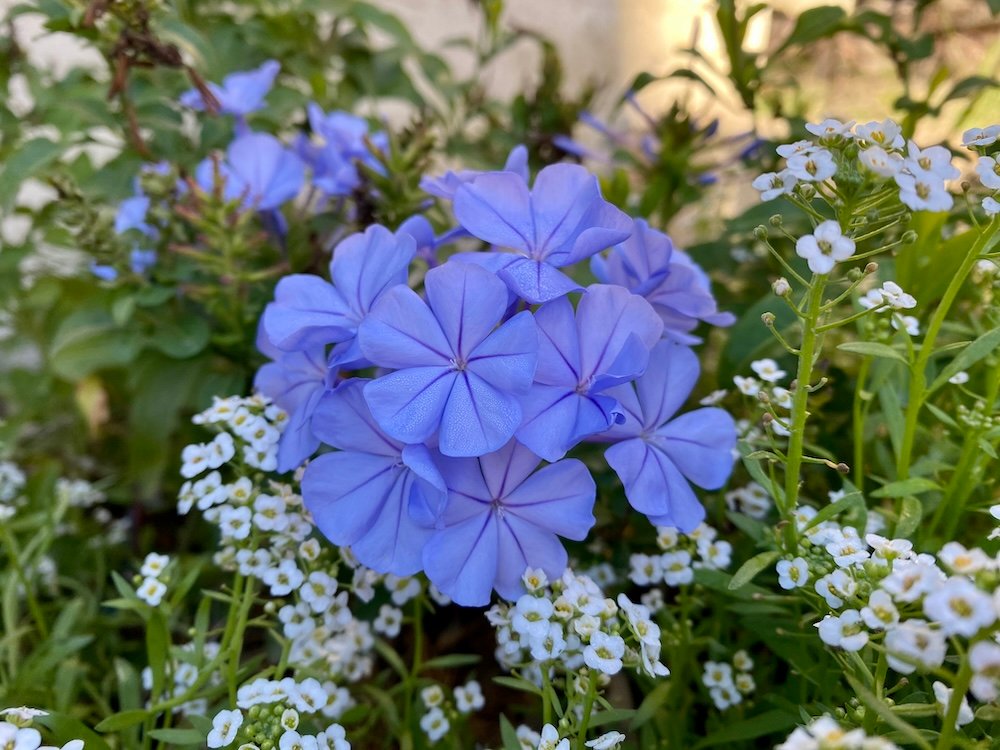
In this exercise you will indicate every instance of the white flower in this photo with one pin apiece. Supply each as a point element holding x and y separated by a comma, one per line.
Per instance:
<point>895,297</point>
<point>284,578</point>
<point>469,697</point>
<point>225,725</point>
<point>235,523</point>
<point>667,537</point>
<point>151,591</point>
<point>959,378</point>
<point>269,513</point>
<point>815,166</point>
<point>781,287</point>
<point>988,169</point>
<point>845,631</point>
<point>882,163</point>
<point>717,674</point>
<point>792,573</point>
<point>432,696</point>
<point>334,737</point>
<point>960,607</point>
<point>908,323</point>
<point>389,621</point>
<point>153,565</point>
<point>991,206</point>
<point>677,569</point>
<point>725,696</point>
<point>13,737</point>
<point>292,740</point>
<point>402,589</point>
<point>713,398</point>
<point>534,579</point>
<point>607,741</point>
<point>824,247</point>
<point>646,570</point>
<point>318,590</point>
<point>923,192</point>
<point>935,160</point>
<point>435,724</point>
<point>835,587</point>
<point>309,696</point>
<point>912,644</point>
<point>984,658</point>
<point>220,450</point>
<point>942,694</point>
<point>747,386</point>
<point>742,661</point>
<point>290,718</point>
<point>887,133</point>
<point>767,370</point>
<point>981,136</point>
<point>195,460</point>
<point>799,147</point>
<point>881,612</point>
<point>551,644</point>
<point>744,683</point>
<point>830,128</point>
<point>22,715</point>
<point>773,184</point>
<point>549,739</point>
<point>604,653</point>
<point>962,560</point>
<point>531,616</point>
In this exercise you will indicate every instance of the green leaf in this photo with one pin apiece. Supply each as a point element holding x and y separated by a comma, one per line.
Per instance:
<point>749,570</point>
<point>66,728</point>
<point>123,720</point>
<point>872,702</point>
<point>850,500</point>
<point>769,722</point>
<point>178,736</point>
<point>994,6</point>
<point>182,338</point>
<point>874,349</point>
<point>970,85</point>
<point>651,704</point>
<point>909,517</point>
<point>27,160</point>
<point>392,658</point>
<point>157,648</point>
<point>449,661</point>
<point>612,716</point>
<point>904,487</point>
<point>88,340</point>
<point>516,683</point>
<point>508,734</point>
<point>982,347</point>
<point>813,24</point>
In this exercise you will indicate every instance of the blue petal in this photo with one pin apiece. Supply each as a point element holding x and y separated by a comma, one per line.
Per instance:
<point>298,442</point>
<point>671,376</point>
<point>606,317</point>
<point>478,418</point>
<point>558,345</point>
<point>558,498</point>
<point>306,312</point>
<point>408,404</point>
<point>461,560</point>
<point>273,173</point>
<point>496,207</point>
<point>501,471</point>
<point>342,419</point>
<point>701,444</point>
<point>523,545</point>
<point>468,302</point>
<point>537,281</point>
<point>244,92</point>
<point>365,265</point>
<point>401,331</point>
<point>507,358</point>
<point>517,162</point>
<point>556,418</point>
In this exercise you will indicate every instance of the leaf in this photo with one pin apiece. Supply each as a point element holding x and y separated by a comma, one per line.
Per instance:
<point>182,338</point>
<point>178,736</point>
<point>88,340</point>
<point>813,24</point>
<point>26,161</point>
<point>509,735</point>
<point>392,658</point>
<point>749,570</point>
<point>651,704</point>
<point>123,720</point>
<point>872,702</point>
<point>904,487</point>
<point>449,661</point>
<point>769,722</point>
<point>994,6</point>
<point>66,728</point>
<point>612,716</point>
<point>909,517</point>
<point>874,349</point>
<point>982,347</point>
<point>851,499</point>
<point>516,683</point>
<point>970,85</point>
<point>157,648</point>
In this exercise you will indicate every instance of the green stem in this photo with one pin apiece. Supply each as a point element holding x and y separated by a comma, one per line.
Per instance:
<point>799,413</point>
<point>411,679</point>
<point>236,641</point>
<point>960,688</point>
<point>858,413</point>
<point>881,669</point>
<point>918,375</point>
<point>546,703</point>
<point>22,575</point>
<point>588,706</point>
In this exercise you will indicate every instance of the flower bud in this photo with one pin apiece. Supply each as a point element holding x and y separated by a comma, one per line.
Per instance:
<point>871,268</point>
<point>781,287</point>
<point>775,221</point>
<point>767,319</point>
<point>760,232</point>
<point>909,237</point>
<point>806,190</point>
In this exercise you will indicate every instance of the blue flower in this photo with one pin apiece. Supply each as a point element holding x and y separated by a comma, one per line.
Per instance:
<point>361,495</point>
<point>339,144</point>
<point>240,93</point>
<point>456,371</point>
<point>648,264</point>
<point>257,168</point>
<point>295,381</point>
<point>141,260</point>
<point>308,311</point>
<point>132,215</point>
<point>606,343</point>
<point>562,220</point>
<point>447,184</point>
<point>502,517</point>
<point>103,272</point>
<point>659,455</point>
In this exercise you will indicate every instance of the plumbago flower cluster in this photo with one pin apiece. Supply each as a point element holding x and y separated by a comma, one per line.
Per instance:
<point>489,372</point>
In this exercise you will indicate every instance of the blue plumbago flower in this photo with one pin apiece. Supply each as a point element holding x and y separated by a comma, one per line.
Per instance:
<point>338,144</point>
<point>103,272</point>
<point>660,455</point>
<point>562,220</point>
<point>457,373</point>
<point>647,264</point>
<point>132,215</point>
<point>257,168</point>
<point>605,343</point>
<point>361,495</point>
<point>141,260</point>
<point>240,93</point>
<point>295,381</point>
<point>447,184</point>
<point>308,311</point>
<point>502,517</point>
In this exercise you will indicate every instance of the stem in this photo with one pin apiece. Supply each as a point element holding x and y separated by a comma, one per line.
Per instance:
<point>410,684</point>
<point>960,687</point>
<point>588,706</point>
<point>236,642</point>
<point>800,401</point>
<point>881,669</point>
<point>858,413</point>
<point>22,575</point>
<point>918,378</point>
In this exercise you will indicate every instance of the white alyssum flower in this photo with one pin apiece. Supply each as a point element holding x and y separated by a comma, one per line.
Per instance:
<point>815,166</point>
<point>747,386</point>
<point>717,674</point>
<point>887,134</point>
<point>469,697</point>
<point>646,570</point>
<point>907,323</point>
<point>552,644</point>
<point>225,725</point>
<point>13,737</point>
<point>881,612</point>
<point>844,631</point>
<point>22,716</point>
<point>912,644</point>
<point>402,589</point>
<point>744,682</point>
<point>435,724</point>
<point>284,578</point>
<point>334,737</point>
<point>607,741</point>
<point>835,587</point>
<point>792,573</point>
<point>981,136</point>
<point>154,565</point>
<point>959,378</point>
<point>550,740</point>
<point>824,247</point>
<point>960,608</point>
<point>389,621</point>
<point>151,591</point>
<point>923,192</point>
<point>767,370</point>
<point>432,696</point>
<point>830,128</point>
<point>933,160</point>
<point>942,694</point>
<point>881,162</point>
<point>677,570</point>
<point>774,184</point>
<point>742,661</point>
<point>991,206</point>
<point>965,561</point>
<point>531,616</point>
<point>984,658</point>
<point>725,696</point>
<point>292,740</point>
<point>604,652</point>
<point>534,579</point>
